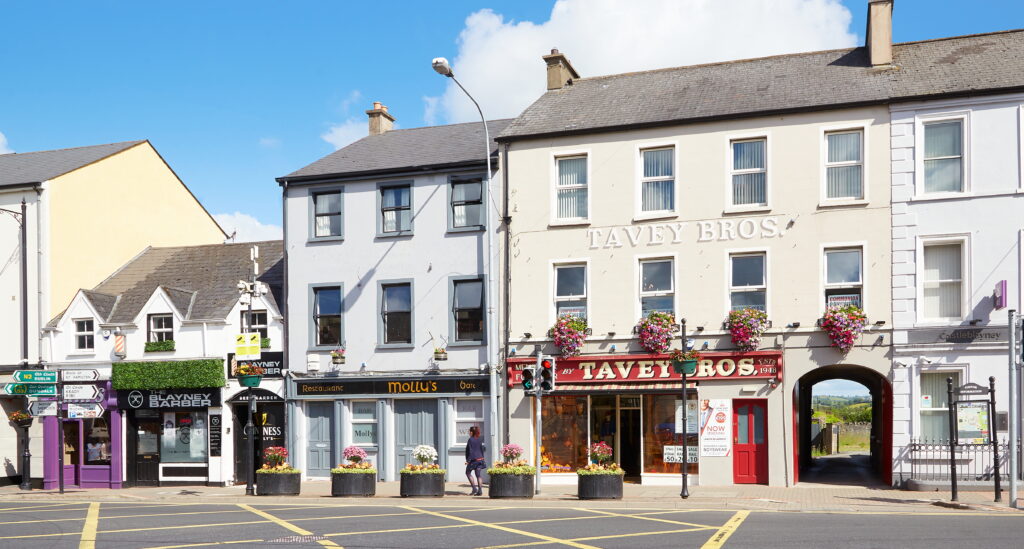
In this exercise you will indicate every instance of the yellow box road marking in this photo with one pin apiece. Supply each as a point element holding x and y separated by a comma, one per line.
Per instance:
<point>48,505</point>
<point>42,535</point>
<point>92,520</point>
<point>504,529</point>
<point>206,544</point>
<point>595,538</point>
<point>655,519</point>
<point>719,538</point>
<point>287,525</point>
<point>34,510</point>
<point>415,529</point>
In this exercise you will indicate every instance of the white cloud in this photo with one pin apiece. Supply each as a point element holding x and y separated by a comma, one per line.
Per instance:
<point>4,149</point>
<point>247,227</point>
<point>500,63</point>
<point>347,132</point>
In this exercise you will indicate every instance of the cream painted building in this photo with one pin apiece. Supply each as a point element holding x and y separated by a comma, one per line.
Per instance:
<point>89,210</point>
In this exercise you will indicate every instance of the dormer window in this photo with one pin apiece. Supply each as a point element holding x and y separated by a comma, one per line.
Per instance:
<point>85,335</point>
<point>161,328</point>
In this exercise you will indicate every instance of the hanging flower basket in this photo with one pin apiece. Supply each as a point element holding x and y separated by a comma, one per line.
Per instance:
<point>747,326</point>
<point>655,332</point>
<point>684,362</point>
<point>250,381</point>
<point>569,333</point>
<point>843,326</point>
<point>20,418</point>
<point>338,356</point>
<point>249,375</point>
<point>440,354</point>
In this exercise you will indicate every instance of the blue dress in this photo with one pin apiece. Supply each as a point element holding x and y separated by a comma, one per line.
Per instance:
<point>474,455</point>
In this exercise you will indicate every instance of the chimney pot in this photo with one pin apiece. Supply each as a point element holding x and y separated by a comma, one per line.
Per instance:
<point>560,71</point>
<point>381,121</point>
<point>878,37</point>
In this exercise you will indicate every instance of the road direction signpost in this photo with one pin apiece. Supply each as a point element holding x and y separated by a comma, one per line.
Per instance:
<point>81,392</point>
<point>85,411</point>
<point>43,408</point>
<point>35,376</point>
<point>24,389</point>
<point>79,375</point>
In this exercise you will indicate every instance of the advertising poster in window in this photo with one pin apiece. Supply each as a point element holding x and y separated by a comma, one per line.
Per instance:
<point>715,427</point>
<point>691,416</point>
<point>972,422</point>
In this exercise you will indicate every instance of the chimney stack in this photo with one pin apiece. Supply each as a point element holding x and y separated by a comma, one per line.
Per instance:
<point>560,71</point>
<point>381,120</point>
<point>879,34</point>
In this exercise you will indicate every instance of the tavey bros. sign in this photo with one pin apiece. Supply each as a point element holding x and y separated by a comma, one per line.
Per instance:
<point>640,368</point>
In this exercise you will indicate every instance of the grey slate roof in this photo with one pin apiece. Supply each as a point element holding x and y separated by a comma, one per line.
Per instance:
<point>984,63</point>
<point>412,149</point>
<point>200,280</point>
<point>36,167</point>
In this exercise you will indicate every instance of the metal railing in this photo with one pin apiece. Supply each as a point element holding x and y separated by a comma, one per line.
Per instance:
<point>929,460</point>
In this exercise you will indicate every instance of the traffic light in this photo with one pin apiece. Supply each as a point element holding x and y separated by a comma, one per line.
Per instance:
<point>547,374</point>
<point>529,383</point>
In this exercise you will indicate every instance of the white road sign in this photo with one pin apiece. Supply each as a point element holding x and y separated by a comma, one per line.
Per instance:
<point>81,392</point>
<point>85,411</point>
<point>43,408</point>
<point>79,375</point>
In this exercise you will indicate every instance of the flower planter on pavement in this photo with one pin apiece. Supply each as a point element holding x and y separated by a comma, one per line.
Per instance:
<point>422,485</point>
<point>599,486</point>
<point>354,485</point>
<point>511,486</point>
<point>278,484</point>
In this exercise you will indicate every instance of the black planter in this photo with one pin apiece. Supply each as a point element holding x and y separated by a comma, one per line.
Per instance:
<point>599,487</point>
<point>422,485</point>
<point>511,486</point>
<point>353,485</point>
<point>278,484</point>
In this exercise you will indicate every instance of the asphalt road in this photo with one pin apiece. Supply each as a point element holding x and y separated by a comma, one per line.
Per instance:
<point>453,526</point>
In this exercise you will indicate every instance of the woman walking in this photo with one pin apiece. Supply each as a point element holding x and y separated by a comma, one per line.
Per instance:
<point>475,460</point>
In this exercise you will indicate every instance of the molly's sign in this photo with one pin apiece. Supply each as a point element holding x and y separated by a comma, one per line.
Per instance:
<point>639,368</point>
<point>402,386</point>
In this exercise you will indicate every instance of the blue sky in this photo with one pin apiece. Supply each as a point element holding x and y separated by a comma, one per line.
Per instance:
<point>234,94</point>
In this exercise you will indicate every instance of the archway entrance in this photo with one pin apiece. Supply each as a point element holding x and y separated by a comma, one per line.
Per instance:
<point>880,439</point>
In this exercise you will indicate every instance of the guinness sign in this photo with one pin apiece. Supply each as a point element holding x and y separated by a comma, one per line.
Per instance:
<point>140,399</point>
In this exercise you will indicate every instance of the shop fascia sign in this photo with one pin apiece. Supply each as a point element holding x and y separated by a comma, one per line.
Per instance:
<point>405,386</point>
<point>637,368</point>
<point>656,234</point>
<point>270,361</point>
<point>134,399</point>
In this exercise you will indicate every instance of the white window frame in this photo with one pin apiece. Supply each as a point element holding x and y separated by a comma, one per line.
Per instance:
<point>554,220</point>
<point>151,331</point>
<point>354,422</point>
<point>824,285</point>
<point>965,153</point>
<point>638,211</point>
<point>965,275</point>
<point>859,126</point>
<point>553,282</point>
<point>263,328</point>
<point>639,277</point>
<point>455,420</point>
<point>729,254</point>
<point>917,409</point>
<point>77,334</point>
<point>729,172</point>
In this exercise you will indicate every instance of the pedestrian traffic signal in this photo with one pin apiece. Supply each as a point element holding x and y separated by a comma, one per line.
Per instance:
<point>529,383</point>
<point>547,374</point>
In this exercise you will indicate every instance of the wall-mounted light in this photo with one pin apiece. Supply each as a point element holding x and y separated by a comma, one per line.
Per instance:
<point>700,328</point>
<point>612,348</point>
<point>611,334</point>
<point>773,382</point>
<point>512,352</point>
<point>793,325</point>
<point>975,321</point>
<point>704,347</point>
<point>527,335</point>
<point>879,323</point>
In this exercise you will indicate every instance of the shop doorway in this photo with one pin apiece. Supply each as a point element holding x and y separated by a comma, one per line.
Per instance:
<point>750,441</point>
<point>615,420</point>
<point>415,424</point>
<point>144,469</point>
<point>319,426</point>
<point>870,466</point>
<point>269,423</point>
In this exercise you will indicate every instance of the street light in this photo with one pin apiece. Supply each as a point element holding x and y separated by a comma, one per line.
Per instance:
<point>442,67</point>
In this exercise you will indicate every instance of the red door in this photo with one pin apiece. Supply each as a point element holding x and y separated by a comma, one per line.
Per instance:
<point>750,442</point>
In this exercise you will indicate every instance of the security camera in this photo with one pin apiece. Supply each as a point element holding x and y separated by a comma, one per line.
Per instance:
<point>924,360</point>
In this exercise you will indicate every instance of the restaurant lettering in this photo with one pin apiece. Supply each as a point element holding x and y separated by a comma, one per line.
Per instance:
<point>401,387</point>
<point>754,365</point>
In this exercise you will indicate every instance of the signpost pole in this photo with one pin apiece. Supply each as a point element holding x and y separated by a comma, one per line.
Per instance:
<point>60,435</point>
<point>1014,405</point>
<point>952,437</point>
<point>250,431</point>
<point>26,462</point>
<point>536,395</point>
<point>685,491</point>
<point>992,433</point>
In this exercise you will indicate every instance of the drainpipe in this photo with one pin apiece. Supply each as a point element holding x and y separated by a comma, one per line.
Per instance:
<point>507,221</point>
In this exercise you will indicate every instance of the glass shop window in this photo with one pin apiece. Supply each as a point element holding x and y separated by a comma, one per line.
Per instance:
<point>564,438</point>
<point>97,440</point>
<point>364,422</point>
<point>184,437</point>
<point>660,418</point>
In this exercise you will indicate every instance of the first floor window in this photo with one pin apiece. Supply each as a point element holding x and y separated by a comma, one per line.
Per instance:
<point>844,165</point>
<point>843,281</point>
<point>396,209</point>
<point>657,288</point>
<point>748,285</point>
<point>161,327</point>
<point>327,315</point>
<point>183,438</point>
<point>256,321</point>
<point>468,310</point>
<point>396,313</point>
<point>935,404</point>
<point>657,185</point>
<point>327,214</point>
<point>571,290</point>
<point>944,156</point>
<point>571,192</point>
<point>943,280</point>
<point>364,422</point>
<point>468,412</point>
<point>467,203</point>
<point>749,172</point>
<point>84,335</point>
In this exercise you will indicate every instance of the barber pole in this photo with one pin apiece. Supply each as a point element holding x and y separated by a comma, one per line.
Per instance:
<point>119,346</point>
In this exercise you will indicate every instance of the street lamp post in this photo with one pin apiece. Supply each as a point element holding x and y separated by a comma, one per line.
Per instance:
<point>442,67</point>
<point>685,491</point>
<point>21,217</point>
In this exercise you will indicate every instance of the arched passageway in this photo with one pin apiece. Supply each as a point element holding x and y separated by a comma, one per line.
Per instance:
<point>880,444</point>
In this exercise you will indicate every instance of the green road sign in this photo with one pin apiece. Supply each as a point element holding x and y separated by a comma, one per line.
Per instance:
<point>30,389</point>
<point>35,376</point>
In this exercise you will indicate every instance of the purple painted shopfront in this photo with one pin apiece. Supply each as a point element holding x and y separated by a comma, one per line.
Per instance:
<point>92,447</point>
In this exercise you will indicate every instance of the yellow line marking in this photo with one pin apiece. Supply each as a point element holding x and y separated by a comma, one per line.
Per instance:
<point>42,535</point>
<point>92,520</point>
<point>504,529</point>
<point>204,544</point>
<point>642,517</point>
<point>33,510</point>
<point>40,520</point>
<point>594,538</point>
<point>222,511</point>
<point>16,509</point>
<point>719,538</point>
<point>123,530</point>
<point>399,530</point>
<point>286,524</point>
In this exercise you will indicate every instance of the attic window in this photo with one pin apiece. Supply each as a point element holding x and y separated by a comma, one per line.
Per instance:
<point>161,328</point>
<point>85,337</point>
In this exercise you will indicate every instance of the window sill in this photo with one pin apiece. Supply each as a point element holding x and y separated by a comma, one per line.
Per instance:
<point>940,196</point>
<point>385,346</point>
<point>399,234</point>
<point>569,223</point>
<point>465,344</point>
<point>842,203</point>
<point>655,216</point>
<point>746,209</point>
<point>475,229</point>
<point>82,353</point>
<point>317,239</point>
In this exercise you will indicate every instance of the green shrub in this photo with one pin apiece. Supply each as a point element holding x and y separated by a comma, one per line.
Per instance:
<point>518,470</point>
<point>423,471</point>
<point>345,470</point>
<point>264,343</point>
<point>277,471</point>
<point>180,374</point>
<point>159,346</point>
<point>586,472</point>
